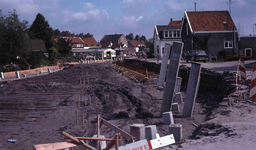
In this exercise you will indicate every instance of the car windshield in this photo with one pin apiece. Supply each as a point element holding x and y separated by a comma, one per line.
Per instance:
<point>201,53</point>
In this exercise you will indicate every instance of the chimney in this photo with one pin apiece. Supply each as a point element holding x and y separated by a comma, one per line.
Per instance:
<point>171,19</point>
<point>195,6</point>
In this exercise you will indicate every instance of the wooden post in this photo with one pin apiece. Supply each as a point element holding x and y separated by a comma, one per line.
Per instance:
<point>98,135</point>
<point>77,117</point>
<point>117,141</point>
<point>84,82</point>
<point>78,102</point>
<point>81,82</point>
<point>87,143</point>
<point>83,118</point>
<point>90,100</point>
<point>82,73</point>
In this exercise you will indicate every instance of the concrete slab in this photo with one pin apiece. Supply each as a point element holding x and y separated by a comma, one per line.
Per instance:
<point>192,88</point>
<point>171,77</point>
<point>175,107</point>
<point>179,97</point>
<point>163,68</point>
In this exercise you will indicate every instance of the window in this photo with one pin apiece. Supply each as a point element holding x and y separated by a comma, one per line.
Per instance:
<point>166,33</point>
<point>228,44</point>
<point>163,51</point>
<point>178,33</point>
<point>170,33</point>
<point>174,34</point>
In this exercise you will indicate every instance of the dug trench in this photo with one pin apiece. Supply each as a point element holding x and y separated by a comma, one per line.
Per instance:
<point>36,110</point>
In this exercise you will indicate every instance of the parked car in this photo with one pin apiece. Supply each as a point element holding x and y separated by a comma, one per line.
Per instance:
<point>196,55</point>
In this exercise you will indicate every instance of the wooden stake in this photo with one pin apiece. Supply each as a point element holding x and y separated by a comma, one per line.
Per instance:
<point>98,135</point>
<point>84,82</point>
<point>80,82</point>
<point>82,73</point>
<point>77,117</point>
<point>83,118</point>
<point>78,100</point>
<point>90,100</point>
<point>117,141</point>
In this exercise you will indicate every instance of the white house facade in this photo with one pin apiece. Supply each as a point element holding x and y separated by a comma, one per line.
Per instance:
<point>165,34</point>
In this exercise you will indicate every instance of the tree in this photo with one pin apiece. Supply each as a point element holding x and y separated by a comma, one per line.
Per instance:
<point>13,39</point>
<point>149,44</point>
<point>129,36</point>
<point>143,38</point>
<point>56,32</point>
<point>63,46</point>
<point>137,37</point>
<point>40,29</point>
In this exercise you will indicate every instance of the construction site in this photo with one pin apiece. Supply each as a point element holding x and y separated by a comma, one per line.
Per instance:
<point>127,104</point>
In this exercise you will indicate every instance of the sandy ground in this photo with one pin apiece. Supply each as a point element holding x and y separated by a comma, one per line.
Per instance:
<point>36,110</point>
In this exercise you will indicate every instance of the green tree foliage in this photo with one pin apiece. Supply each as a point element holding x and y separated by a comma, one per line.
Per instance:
<point>88,35</point>
<point>13,40</point>
<point>40,29</point>
<point>149,44</point>
<point>63,46</point>
<point>137,37</point>
<point>129,36</point>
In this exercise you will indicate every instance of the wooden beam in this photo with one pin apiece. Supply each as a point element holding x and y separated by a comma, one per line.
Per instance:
<point>54,146</point>
<point>94,139</point>
<point>77,141</point>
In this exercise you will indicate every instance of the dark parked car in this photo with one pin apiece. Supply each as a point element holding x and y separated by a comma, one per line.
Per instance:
<point>196,55</point>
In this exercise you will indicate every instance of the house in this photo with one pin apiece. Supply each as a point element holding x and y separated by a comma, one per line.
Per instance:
<point>136,44</point>
<point>166,34</point>
<point>247,45</point>
<point>119,43</point>
<point>212,31</point>
<point>90,43</point>
<point>114,41</point>
<point>76,42</point>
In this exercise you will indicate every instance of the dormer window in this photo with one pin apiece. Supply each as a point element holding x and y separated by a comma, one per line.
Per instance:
<point>170,33</point>
<point>166,33</point>
<point>224,22</point>
<point>205,27</point>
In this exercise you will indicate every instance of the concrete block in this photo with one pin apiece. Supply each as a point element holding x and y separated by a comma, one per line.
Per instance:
<point>138,131</point>
<point>177,85</point>
<point>179,97</point>
<point>17,74</point>
<point>151,132</point>
<point>49,70</point>
<point>168,118</point>
<point>2,75</point>
<point>175,107</point>
<point>176,130</point>
<point>103,144</point>
<point>171,76</point>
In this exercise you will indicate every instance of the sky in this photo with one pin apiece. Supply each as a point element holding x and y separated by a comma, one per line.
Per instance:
<point>103,17</point>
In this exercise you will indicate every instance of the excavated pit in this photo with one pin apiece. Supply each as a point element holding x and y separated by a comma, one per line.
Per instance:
<point>52,103</point>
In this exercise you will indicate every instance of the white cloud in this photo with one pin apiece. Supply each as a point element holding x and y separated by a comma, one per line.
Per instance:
<point>80,16</point>
<point>88,6</point>
<point>131,19</point>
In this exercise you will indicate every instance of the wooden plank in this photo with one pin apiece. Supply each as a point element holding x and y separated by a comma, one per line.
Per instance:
<point>54,146</point>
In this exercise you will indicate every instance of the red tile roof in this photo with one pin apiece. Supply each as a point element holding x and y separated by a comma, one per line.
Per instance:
<point>75,40</point>
<point>175,23</point>
<point>89,41</point>
<point>211,21</point>
<point>135,42</point>
<point>37,45</point>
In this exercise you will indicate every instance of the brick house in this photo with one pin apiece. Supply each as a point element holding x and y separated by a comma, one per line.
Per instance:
<point>90,43</point>
<point>136,44</point>
<point>212,31</point>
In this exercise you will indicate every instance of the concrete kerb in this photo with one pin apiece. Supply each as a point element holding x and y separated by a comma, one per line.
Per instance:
<point>138,131</point>
<point>171,76</point>
<point>2,75</point>
<point>17,74</point>
<point>192,89</point>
